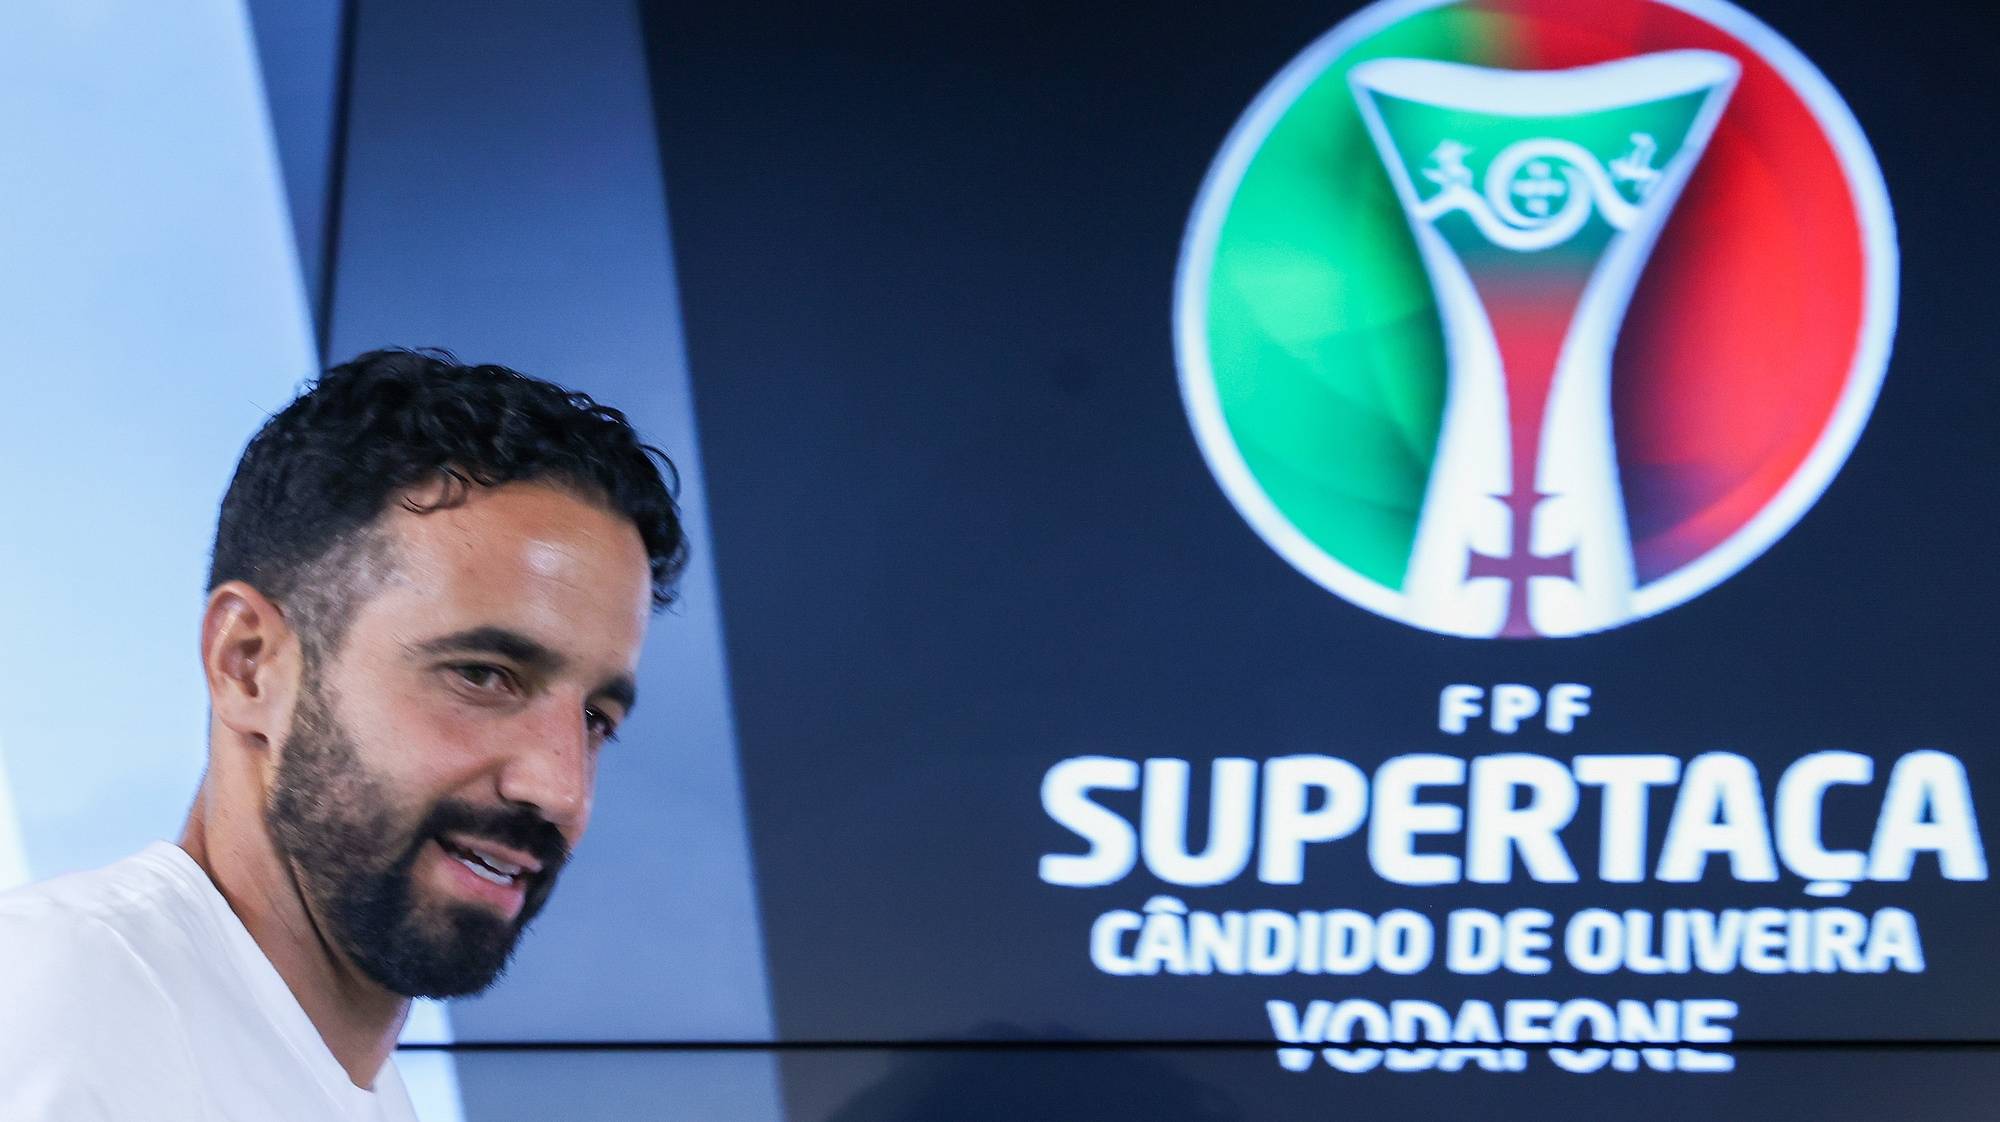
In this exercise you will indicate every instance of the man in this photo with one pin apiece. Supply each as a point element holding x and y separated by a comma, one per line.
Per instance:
<point>429,590</point>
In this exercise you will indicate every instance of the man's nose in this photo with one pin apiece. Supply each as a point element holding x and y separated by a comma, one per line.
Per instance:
<point>551,768</point>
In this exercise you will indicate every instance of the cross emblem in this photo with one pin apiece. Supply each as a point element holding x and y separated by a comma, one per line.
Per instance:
<point>1539,188</point>
<point>1521,563</point>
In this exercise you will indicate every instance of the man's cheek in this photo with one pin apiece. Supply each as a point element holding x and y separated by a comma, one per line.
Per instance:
<point>430,746</point>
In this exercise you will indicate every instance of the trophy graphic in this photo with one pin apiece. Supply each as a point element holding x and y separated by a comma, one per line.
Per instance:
<point>1535,198</point>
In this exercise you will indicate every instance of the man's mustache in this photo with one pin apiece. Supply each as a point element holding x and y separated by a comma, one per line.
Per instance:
<point>514,827</point>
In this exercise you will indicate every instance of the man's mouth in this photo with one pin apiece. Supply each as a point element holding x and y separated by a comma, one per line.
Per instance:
<point>494,864</point>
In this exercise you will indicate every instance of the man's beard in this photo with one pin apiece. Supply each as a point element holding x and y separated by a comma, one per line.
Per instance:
<point>339,826</point>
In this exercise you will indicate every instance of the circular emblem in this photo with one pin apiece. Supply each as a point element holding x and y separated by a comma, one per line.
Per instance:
<point>1528,318</point>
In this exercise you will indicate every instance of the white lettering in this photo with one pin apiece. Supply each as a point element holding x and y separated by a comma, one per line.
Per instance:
<point>1288,827</point>
<point>1066,797</point>
<point>1398,818</point>
<point>1928,809</point>
<point>1720,810</point>
<point>1621,851</point>
<point>1163,822</point>
<point>1498,827</point>
<point>1801,794</point>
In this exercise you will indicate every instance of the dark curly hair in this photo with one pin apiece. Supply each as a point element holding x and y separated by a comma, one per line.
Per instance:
<point>297,522</point>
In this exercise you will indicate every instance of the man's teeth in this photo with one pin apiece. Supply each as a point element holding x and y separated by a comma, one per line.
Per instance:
<point>486,874</point>
<point>486,866</point>
<point>496,864</point>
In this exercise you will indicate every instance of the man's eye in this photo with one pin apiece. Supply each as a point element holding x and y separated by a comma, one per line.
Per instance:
<point>601,725</point>
<point>483,677</point>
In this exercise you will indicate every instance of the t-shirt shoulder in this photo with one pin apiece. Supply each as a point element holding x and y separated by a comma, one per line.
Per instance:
<point>72,929</point>
<point>103,976</point>
<point>81,1003</point>
<point>148,879</point>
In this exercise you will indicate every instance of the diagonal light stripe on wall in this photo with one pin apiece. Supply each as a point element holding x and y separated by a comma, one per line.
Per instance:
<point>156,313</point>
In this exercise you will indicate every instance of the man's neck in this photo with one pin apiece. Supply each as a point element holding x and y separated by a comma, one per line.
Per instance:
<point>358,1019</point>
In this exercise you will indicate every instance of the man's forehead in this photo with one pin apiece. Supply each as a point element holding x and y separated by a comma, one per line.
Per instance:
<point>531,558</point>
<point>520,510</point>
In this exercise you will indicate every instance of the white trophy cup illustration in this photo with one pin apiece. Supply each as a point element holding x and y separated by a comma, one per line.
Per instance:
<point>1536,198</point>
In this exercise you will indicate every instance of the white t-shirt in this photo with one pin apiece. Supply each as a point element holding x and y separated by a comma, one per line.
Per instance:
<point>133,992</point>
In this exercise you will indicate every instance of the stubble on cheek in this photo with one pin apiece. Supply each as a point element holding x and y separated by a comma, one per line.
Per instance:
<point>356,855</point>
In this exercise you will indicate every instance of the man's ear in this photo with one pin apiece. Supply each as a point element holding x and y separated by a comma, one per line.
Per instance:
<point>250,656</point>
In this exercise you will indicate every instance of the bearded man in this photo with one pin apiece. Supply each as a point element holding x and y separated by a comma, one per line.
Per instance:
<point>430,585</point>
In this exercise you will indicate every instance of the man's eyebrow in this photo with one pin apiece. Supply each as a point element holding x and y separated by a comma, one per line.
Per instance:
<point>621,691</point>
<point>494,640</point>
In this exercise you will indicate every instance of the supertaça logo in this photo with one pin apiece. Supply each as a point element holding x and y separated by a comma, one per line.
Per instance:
<point>1536,317</point>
